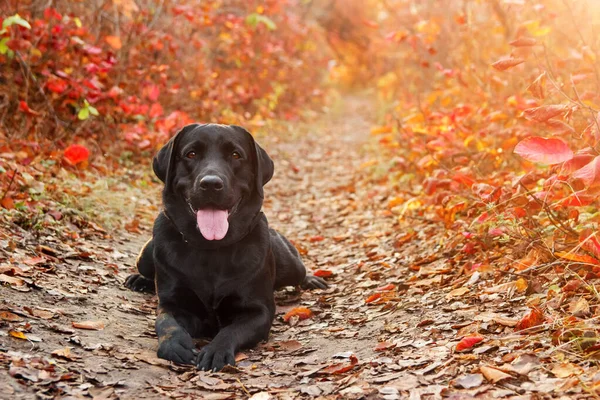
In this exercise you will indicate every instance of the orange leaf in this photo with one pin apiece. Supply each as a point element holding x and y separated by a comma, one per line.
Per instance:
<point>90,325</point>
<point>323,273</point>
<point>533,317</point>
<point>114,42</point>
<point>8,203</point>
<point>506,63</point>
<point>317,238</point>
<point>8,316</point>
<point>468,341</point>
<point>543,150</point>
<point>300,312</point>
<point>372,298</point>
<point>384,346</point>
<point>584,258</point>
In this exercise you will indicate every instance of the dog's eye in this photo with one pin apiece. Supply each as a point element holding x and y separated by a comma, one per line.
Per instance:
<point>236,155</point>
<point>190,154</point>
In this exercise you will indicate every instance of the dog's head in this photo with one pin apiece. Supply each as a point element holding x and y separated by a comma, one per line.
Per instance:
<point>216,173</point>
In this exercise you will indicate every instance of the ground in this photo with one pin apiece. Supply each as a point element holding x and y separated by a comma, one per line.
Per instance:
<point>387,327</point>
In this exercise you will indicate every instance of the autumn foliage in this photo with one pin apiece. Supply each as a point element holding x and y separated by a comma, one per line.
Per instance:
<point>126,76</point>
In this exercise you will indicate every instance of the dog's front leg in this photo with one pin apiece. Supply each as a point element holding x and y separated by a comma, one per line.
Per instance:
<point>174,342</point>
<point>247,326</point>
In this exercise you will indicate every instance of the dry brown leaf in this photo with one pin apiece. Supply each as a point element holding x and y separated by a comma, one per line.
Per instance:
<point>492,374</point>
<point>567,369</point>
<point>8,316</point>
<point>65,353</point>
<point>11,280</point>
<point>457,293</point>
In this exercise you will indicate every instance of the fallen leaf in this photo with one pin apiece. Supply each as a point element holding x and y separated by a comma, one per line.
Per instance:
<point>492,374</point>
<point>65,353</point>
<point>468,341</point>
<point>468,381</point>
<point>300,312</point>
<point>532,318</point>
<point>90,325</point>
<point>382,346</point>
<point>11,280</point>
<point>457,293</point>
<point>323,273</point>
<point>566,370</point>
<point>8,316</point>
<point>17,334</point>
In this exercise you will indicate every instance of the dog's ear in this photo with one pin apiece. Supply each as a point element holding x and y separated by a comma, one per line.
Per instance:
<point>164,160</point>
<point>263,165</point>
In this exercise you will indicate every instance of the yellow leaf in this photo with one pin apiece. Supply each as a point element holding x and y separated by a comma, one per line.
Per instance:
<point>17,334</point>
<point>521,285</point>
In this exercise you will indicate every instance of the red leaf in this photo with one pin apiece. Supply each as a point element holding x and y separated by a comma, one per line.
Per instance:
<point>506,63</point>
<point>544,113</point>
<point>468,341</point>
<point>300,312</point>
<point>372,298</point>
<point>340,368</point>
<point>590,173</point>
<point>323,273</point>
<point>534,317</point>
<point>572,286</point>
<point>57,85</point>
<point>156,110</point>
<point>544,150</point>
<point>76,154</point>
<point>317,238</point>
<point>523,42</point>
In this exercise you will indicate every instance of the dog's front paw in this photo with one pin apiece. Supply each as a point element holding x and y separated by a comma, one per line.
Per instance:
<point>214,357</point>
<point>177,347</point>
<point>139,283</point>
<point>314,282</point>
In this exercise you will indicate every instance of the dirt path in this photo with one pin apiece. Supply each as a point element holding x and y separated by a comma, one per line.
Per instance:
<point>382,296</point>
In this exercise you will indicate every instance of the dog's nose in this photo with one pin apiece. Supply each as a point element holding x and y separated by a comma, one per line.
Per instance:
<point>211,182</point>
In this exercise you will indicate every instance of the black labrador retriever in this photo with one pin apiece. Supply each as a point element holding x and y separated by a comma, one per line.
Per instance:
<point>213,260</point>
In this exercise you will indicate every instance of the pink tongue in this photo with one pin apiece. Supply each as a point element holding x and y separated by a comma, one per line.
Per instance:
<point>213,224</point>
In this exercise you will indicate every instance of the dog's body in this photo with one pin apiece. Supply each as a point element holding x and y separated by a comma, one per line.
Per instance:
<point>212,257</point>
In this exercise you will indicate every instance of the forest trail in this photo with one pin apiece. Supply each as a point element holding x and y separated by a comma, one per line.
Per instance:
<point>386,328</point>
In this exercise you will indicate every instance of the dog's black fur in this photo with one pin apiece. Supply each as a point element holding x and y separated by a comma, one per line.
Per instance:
<point>221,289</point>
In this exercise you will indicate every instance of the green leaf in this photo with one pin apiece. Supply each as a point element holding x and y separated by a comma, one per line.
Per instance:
<point>254,19</point>
<point>15,20</point>
<point>3,47</point>
<point>93,111</point>
<point>84,113</point>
